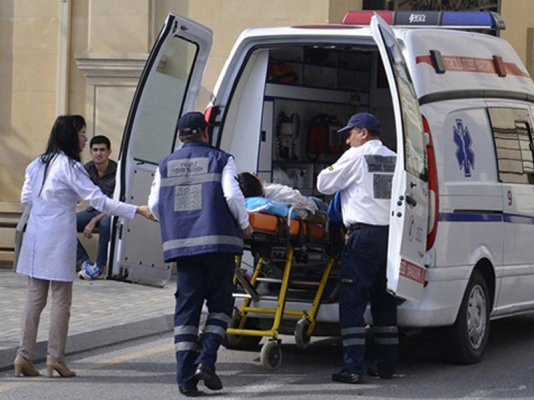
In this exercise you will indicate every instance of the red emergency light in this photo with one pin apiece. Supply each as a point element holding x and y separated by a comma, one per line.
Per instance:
<point>364,17</point>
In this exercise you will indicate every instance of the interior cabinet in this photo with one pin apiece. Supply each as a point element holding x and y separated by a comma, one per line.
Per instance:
<point>320,68</point>
<point>310,93</point>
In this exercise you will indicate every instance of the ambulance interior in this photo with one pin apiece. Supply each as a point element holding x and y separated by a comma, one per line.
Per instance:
<point>307,92</point>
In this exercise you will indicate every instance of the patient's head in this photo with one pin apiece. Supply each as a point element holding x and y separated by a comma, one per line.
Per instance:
<point>250,184</point>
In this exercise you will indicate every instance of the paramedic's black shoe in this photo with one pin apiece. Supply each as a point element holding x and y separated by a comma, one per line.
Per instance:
<point>346,377</point>
<point>371,371</point>
<point>210,378</point>
<point>191,392</point>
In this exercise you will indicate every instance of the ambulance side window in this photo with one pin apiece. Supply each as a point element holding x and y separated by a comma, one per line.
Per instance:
<point>512,133</point>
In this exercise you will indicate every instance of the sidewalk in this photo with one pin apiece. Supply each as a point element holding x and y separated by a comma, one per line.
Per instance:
<point>103,312</point>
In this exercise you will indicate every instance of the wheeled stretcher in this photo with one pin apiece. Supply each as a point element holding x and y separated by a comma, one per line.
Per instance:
<point>293,259</point>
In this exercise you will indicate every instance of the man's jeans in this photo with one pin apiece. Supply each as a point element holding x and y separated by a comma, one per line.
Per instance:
<point>82,219</point>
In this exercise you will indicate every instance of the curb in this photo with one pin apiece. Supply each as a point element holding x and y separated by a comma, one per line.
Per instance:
<point>86,341</point>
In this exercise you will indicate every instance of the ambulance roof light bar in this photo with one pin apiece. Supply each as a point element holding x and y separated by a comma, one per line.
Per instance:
<point>425,19</point>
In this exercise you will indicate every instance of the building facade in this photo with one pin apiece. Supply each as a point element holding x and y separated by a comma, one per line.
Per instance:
<point>85,57</point>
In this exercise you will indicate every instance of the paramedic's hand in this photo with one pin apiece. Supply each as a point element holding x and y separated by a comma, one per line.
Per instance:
<point>247,232</point>
<point>88,230</point>
<point>145,212</point>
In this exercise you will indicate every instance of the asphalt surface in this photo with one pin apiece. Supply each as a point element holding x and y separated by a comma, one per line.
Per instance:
<point>104,312</point>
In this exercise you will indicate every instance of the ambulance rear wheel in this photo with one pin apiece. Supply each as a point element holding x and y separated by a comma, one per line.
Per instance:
<point>271,355</point>
<point>302,339</point>
<point>241,342</point>
<point>466,340</point>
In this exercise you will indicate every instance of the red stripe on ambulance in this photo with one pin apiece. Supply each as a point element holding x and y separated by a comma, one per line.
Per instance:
<point>472,64</point>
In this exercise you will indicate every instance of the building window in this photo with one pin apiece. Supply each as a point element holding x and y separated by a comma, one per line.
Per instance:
<point>447,5</point>
<point>436,5</point>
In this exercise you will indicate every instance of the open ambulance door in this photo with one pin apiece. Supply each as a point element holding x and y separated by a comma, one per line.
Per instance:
<point>409,195</point>
<point>168,87</point>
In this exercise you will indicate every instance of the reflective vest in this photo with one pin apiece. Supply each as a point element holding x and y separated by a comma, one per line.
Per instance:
<point>194,215</point>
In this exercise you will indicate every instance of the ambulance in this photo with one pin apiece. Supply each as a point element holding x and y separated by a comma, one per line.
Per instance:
<point>456,106</point>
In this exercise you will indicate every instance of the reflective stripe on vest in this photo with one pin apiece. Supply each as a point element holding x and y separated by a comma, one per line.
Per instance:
<point>202,241</point>
<point>188,180</point>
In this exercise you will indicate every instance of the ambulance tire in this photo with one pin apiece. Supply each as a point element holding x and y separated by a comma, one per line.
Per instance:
<point>466,340</point>
<point>302,339</point>
<point>271,355</point>
<point>241,342</point>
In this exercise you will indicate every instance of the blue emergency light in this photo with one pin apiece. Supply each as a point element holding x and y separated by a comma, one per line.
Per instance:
<point>425,19</point>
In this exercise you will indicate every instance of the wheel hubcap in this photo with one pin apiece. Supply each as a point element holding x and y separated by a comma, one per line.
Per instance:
<point>476,317</point>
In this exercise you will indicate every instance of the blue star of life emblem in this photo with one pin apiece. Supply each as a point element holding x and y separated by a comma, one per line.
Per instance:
<point>464,154</point>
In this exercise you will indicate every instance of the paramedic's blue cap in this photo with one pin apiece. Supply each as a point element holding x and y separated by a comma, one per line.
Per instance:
<point>360,121</point>
<point>191,123</point>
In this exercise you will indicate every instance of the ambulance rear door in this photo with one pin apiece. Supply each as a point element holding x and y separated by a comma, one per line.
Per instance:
<point>409,196</point>
<point>168,87</point>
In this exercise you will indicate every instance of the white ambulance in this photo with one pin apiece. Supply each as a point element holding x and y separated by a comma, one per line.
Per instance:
<point>456,106</point>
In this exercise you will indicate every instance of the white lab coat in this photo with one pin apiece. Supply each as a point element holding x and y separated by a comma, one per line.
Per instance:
<point>49,246</point>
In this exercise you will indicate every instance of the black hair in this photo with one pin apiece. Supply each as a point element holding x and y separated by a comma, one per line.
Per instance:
<point>100,139</point>
<point>64,138</point>
<point>191,138</point>
<point>373,133</point>
<point>249,185</point>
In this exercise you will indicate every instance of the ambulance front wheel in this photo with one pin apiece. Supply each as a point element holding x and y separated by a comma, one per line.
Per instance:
<point>466,340</point>
<point>271,355</point>
<point>302,339</point>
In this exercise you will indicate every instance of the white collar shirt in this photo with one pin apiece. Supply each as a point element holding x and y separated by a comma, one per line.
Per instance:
<point>363,175</point>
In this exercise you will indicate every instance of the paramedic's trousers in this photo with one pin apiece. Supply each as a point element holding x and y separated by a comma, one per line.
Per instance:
<point>206,276</point>
<point>363,279</point>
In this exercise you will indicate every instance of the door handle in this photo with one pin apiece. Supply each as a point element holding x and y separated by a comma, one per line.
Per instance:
<point>411,201</point>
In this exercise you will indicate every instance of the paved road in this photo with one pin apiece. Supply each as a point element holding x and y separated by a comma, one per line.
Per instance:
<point>144,369</point>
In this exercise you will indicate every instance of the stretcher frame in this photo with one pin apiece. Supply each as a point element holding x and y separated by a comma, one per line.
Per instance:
<point>271,354</point>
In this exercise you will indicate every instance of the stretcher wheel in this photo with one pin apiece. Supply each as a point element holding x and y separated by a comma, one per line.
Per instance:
<point>271,355</point>
<point>241,342</point>
<point>302,338</point>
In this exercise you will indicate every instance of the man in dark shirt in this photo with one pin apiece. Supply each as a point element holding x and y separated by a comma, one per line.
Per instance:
<point>102,172</point>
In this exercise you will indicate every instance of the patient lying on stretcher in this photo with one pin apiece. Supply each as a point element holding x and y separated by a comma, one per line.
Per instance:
<point>306,208</point>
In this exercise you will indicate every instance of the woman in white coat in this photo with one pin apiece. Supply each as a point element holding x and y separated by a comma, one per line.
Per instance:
<point>55,182</point>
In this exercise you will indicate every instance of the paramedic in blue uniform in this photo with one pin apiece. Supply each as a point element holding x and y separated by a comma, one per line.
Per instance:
<point>363,176</point>
<point>196,197</point>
